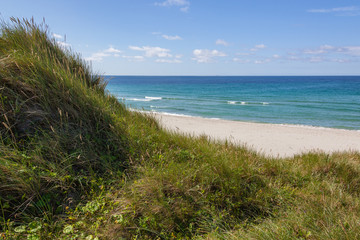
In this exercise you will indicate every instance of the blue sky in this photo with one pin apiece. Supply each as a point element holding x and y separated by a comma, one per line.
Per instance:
<point>204,37</point>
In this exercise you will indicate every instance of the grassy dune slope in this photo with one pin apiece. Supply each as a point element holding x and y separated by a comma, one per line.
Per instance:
<point>76,164</point>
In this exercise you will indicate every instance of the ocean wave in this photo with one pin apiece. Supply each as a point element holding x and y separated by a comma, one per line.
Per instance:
<point>175,114</point>
<point>173,98</point>
<point>152,106</point>
<point>139,99</point>
<point>235,102</point>
<point>171,114</point>
<point>153,98</point>
<point>247,103</point>
<point>146,99</point>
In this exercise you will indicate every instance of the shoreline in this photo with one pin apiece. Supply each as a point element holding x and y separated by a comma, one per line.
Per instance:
<point>273,140</point>
<point>242,121</point>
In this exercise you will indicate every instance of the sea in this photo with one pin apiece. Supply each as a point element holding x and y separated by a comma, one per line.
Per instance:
<point>316,101</point>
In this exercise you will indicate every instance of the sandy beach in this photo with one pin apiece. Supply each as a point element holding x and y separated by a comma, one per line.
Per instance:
<point>274,140</point>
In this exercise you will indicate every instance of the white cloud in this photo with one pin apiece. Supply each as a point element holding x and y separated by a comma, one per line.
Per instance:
<point>241,60</point>
<point>162,60</point>
<point>112,50</point>
<point>350,50</point>
<point>330,10</point>
<point>168,3</point>
<point>328,49</point>
<point>163,55</point>
<point>340,11</point>
<point>327,53</point>
<point>258,47</point>
<point>152,51</point>
<point>167,37</point>
<point>276,56</point>
<point>343,60</point>
<point>135,58</point>
<point>60,41</point>
<point>315,59</point>
<point>244,54</point>
<point>221,42</point>
<point>63,44</point>
<point>320,50</point>
<point>184,9</point>
<point>135,48</point>
<point>57,36</point>
<point>183,4</point>
<point>314,51</point>
<point>262,61</point>
<point>206,55</point>
<point>99,56</point>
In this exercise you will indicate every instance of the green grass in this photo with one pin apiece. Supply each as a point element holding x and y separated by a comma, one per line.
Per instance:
<point>76,164</point>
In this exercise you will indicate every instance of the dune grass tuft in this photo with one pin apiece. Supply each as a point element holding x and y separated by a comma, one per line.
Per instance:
<point>76,164</point>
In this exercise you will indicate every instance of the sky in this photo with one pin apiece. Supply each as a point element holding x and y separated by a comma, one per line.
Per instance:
<point>203,37</point>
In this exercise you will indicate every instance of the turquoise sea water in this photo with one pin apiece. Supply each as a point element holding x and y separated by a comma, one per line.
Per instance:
<point>316,100</point>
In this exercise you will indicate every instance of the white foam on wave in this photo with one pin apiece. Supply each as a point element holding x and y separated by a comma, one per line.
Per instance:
<point>139,99</point>
<point>146,99</point>
<point>247,103</point>
<point>234,102</point>
<point>174,114</point>
<point>153,98</point>
<point>154,106</point>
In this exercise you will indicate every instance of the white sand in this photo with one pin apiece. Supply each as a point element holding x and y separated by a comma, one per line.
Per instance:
<point>275,140</point>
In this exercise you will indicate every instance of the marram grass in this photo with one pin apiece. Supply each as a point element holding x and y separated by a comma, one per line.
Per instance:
<point>76,164</point>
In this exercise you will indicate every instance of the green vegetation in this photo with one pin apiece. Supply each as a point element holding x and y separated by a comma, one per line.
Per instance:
<point>76,164</point>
